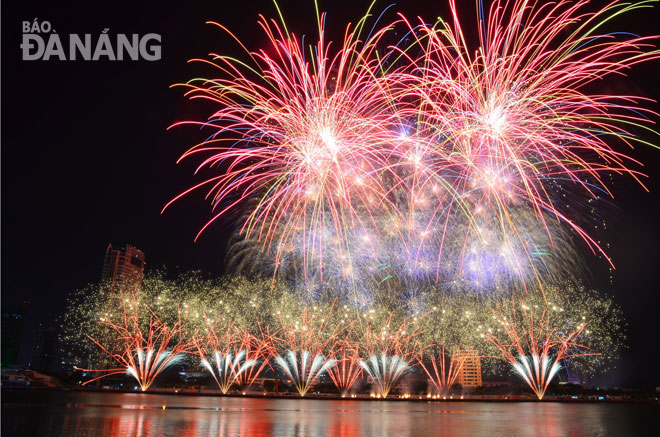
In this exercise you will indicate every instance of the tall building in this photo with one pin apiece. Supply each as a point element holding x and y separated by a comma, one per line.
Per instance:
<point>123,268</point>
<point>470,374</point>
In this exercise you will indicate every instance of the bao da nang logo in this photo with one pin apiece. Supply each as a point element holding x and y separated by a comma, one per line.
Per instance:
<point>41,42</point>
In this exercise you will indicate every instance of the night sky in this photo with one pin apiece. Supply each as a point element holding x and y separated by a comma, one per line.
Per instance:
<point>87,159</point>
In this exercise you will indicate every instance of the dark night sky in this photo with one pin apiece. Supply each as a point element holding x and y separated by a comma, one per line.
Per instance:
<point>87,160</point>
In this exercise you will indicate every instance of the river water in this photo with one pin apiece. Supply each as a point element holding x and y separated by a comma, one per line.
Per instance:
<point>48,413</point>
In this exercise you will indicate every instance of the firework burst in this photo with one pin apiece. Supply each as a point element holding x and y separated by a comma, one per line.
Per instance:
<point>428,161</point>
<point>503,126</point>
<point>300,132</point>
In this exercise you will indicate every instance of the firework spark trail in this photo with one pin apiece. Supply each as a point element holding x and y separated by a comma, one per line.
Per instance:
<point>442,375</point>
<point>386,351</point>
<point>146,351</point>
<point>532,346</point>
<point>347,370</point>
<point>328,149</point>
<point>515,116</point>
<point>305,344</point>
<point>306,138</point>
<point>231,354</point>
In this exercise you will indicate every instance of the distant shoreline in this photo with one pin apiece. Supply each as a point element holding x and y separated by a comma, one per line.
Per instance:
<point>7,392</point>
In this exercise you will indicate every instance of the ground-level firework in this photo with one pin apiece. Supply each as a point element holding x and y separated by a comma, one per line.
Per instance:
<point>384,371</point>
<point>303,368</point>
<point>144,350</point>
<point>442,370</point>
<point>232,354</point>
<point>533,346</point>
<point>305,341</point>
<point>355,347</point>
<point>388,344</point>
<point>346,370</point>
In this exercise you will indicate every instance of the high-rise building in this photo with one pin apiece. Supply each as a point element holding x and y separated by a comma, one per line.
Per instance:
<point>470,374</point>
<point>123,268</point>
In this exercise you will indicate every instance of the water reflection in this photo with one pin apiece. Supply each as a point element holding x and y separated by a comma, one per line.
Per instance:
<point>97,414</point>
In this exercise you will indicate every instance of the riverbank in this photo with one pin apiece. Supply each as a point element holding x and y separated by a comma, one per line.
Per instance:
<point>348,397</point>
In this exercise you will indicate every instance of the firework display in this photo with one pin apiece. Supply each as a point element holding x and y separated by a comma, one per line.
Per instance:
<point>303,140</point>
<point>568,326</point>
<point>512,125</point>
<point>384,370</point>
<point>145,350</point>
<point>303,368</point>
<point>443,370</point>
<point>423,159</point>
<point>567,307</point>
<point>455,323</point>
<point>533,346</point>
<point>400,200</point>
<point>231,354</point>
<point>387,349</point>
<point>305,339</point>
<point>347,369</point>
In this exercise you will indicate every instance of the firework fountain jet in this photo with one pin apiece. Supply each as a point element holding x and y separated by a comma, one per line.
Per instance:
<point>228,368</point>
<point>144,349</point>
<point>387,350</point>
<point>301,370</point>
<point>532,346</point>
<point>238,356</point>
<point>304,341</point>
<point>385,371</point>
